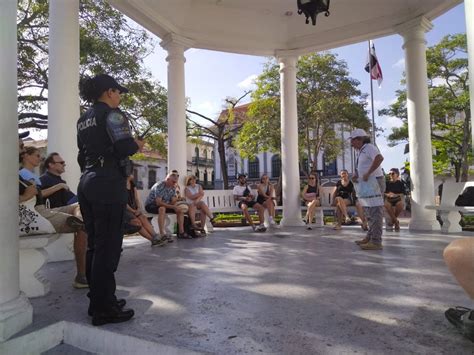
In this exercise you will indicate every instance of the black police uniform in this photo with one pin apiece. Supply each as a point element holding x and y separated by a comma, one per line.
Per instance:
<point>105,143</point>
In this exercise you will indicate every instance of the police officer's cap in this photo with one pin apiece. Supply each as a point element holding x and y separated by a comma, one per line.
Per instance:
<point>23,134</point>
<point>106,82</point>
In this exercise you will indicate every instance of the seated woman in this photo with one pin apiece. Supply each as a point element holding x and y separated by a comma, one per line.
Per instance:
<point>394,196</point>
<point>135,217</point>
<point>265,197</point>
<point>194,194</point>
<point>344,196</point>
<point>310,196</point>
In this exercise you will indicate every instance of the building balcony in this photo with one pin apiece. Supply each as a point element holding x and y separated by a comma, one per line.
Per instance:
<point>203,161</point>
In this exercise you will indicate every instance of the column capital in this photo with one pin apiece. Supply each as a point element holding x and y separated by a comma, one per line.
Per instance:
<point>414,30</point>
<point>172,41</point>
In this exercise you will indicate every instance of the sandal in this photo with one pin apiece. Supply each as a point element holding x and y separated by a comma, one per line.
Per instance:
<point>461,318</point>
<point>183,236</point>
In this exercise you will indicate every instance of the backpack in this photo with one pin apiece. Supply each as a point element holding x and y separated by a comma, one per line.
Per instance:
<point>188,227</point>
<point>466,198</point>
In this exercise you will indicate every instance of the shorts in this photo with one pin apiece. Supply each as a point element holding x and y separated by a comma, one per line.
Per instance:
<point>154,209</point>
<point>58,217</point>
<point>249,204</point>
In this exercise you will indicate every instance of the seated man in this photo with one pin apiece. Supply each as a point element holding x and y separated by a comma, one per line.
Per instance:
<point>63,219</point>
<point>459,256</point>
<point>162,200</point>
<point>55,166</point>
<point>246,199</point>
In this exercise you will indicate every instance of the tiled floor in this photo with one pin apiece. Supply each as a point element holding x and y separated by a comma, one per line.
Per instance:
<point>287,291</point>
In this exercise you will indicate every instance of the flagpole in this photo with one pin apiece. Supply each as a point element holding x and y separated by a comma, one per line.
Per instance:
<point>371,97</point>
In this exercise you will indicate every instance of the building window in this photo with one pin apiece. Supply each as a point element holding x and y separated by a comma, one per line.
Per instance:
<point>276,166</point>
<point>254,168</point>
<point>197,174</point>
<point>196,152</point>
<point>205,177</point>
<point>205,154</point>
<point>151,178</point>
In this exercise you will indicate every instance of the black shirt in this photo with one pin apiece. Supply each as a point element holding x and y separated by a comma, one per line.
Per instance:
<point>105,143</point>
<point>396,187</point>
<point>59,198</point>
<point>346,192</point>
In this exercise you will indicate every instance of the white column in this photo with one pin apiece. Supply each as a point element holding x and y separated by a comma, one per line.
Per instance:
<point>419,128</point>
<point>469,12</point>
<point>63,92</point>
<point>176,105</point>
<point>15,310</point>
<point>289,143</point>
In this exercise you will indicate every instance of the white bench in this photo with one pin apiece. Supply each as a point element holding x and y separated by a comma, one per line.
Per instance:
<point>34,252</point>
<point>449,213</point>
<point>223,201</point>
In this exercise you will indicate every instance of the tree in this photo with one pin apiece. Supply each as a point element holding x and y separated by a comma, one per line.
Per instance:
<point>109,43</point>
<point>449,107</point>
<point>327,99</point>
<point>223,130</point>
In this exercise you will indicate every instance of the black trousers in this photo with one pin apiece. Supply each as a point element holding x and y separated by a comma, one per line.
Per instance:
<point>104,227</point>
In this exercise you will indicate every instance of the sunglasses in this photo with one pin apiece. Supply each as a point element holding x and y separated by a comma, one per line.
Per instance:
<point>391,173</point>
<point>60,162</point>
<point>312,178</point>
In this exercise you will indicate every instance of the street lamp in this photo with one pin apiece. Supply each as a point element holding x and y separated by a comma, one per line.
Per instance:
<point>311,9</point>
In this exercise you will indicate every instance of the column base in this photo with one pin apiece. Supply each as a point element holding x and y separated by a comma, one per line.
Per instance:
<point>292,222</point>
<point>15,315</point>
<point>424,225</point>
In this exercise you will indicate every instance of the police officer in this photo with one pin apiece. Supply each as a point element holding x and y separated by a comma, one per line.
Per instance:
<point>105,143</point>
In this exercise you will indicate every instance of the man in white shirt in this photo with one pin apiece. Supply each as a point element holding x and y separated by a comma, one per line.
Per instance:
<point>369,176</point>
<point>246,200</point>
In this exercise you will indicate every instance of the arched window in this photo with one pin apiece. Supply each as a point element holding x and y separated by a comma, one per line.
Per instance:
<point>196,152</point>
<point>276,166</point>
<point>254,168</point>
<point>205,154</point>
<point>205,177</point>
<point>151,177</point>
<point>197,174</point>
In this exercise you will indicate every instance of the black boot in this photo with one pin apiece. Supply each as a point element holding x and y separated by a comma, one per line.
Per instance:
<point>113,315</point>
<point>120,304</point>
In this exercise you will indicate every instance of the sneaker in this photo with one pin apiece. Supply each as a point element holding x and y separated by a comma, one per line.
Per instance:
<point>272,222</point>
<point>463,319</point>
<point>159,242</point>
<point>80,281</point>
<point>260,228</point>
<point>309,227</point>
<point>348,220</point>
<point>169,238</point>
<point>371,246</point>
<point>362,241</point>
<point>254,228</point>
<point>74,222</point>
<point>337,227</point>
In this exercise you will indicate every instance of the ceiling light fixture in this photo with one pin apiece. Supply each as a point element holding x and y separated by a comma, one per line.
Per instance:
<point>311,9</point>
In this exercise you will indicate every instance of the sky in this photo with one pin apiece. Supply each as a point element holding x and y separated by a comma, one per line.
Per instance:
<point>212,76</point>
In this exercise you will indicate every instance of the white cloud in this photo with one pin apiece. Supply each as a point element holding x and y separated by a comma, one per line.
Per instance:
<point>248,83</point>
<point>400,64</point>
<point>439,82</point>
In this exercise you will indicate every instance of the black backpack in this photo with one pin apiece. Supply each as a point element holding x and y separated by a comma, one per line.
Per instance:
<point>466,198</point>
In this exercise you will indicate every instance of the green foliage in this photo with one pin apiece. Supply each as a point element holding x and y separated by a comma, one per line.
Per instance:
<point>327,98</point>
<point>109,43</point>
<point>449,107</point>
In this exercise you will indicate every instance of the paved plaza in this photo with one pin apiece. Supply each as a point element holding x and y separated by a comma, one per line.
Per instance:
<point>288,291</point>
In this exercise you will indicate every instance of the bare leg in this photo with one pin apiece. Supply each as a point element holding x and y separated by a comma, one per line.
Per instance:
<point>459,256</point>
<point>390,211</point>
<point>192,214</point>
<point>245,211</point>
<point>180,219</point>
<point>260,211</point>
<point>143,232</point>
<point>80,249</point>
<point>203,214</point>
<point>161,220</point>
<point>147,225</point>
<point>205,209</point>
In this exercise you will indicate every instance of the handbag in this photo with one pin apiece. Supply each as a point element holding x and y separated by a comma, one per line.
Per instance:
<point>30,222</point>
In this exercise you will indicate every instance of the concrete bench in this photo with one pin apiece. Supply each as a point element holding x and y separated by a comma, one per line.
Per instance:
<point>449,213</point>
<point>34,252</point>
